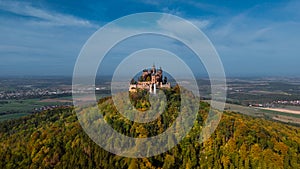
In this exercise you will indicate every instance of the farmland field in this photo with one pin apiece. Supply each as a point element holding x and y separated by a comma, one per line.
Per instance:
<point>274,114</point>
<point>17,108</point>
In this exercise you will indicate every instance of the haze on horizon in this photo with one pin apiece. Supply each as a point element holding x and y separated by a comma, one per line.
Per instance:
<point>255,38</point>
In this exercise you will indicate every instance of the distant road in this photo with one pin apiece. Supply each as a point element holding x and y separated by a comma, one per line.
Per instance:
<point>282,110</point>
<point>278,114</point>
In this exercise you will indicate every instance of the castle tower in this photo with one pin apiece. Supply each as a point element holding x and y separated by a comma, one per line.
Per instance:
<point>153,79</point>
<point>153,70</point>
<point>160,69</point>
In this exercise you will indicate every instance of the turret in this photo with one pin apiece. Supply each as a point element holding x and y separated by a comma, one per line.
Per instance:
<point>153,69</point>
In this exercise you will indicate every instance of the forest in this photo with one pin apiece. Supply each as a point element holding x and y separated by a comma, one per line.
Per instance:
<point>55,139</point>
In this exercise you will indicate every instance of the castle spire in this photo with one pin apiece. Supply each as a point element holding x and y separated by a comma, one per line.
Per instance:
<point>153,68</point>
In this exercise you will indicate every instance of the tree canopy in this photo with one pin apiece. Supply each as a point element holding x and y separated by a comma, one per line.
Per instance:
<point>55,139</point>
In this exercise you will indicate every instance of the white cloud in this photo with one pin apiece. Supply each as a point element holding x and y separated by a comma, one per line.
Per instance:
<point>45,17</point>
<point>172,11</point>
<point>202,24</point>
<point>35,39</point>
<point>246,41</point>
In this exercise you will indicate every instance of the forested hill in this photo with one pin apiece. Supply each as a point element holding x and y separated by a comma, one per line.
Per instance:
<point>55,139</point>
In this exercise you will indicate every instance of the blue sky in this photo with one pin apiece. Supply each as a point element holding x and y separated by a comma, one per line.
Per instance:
<point>253,38</point>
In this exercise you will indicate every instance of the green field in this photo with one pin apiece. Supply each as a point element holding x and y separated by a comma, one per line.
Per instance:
<point>11,109</point>
<point>24,106</point>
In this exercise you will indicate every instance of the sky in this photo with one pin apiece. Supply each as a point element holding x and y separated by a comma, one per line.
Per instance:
<point>253,38</point>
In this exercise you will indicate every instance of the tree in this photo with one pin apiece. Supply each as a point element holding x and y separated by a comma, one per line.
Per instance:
<point>133,164</point>
<point>141,79</point>
<point>148,79</point>
<point>132,81</point>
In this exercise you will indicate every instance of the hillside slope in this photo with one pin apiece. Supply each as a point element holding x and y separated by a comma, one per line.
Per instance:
<point>55,139</point>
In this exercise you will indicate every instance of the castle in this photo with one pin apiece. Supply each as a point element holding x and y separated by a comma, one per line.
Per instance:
<point>150,80</point>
